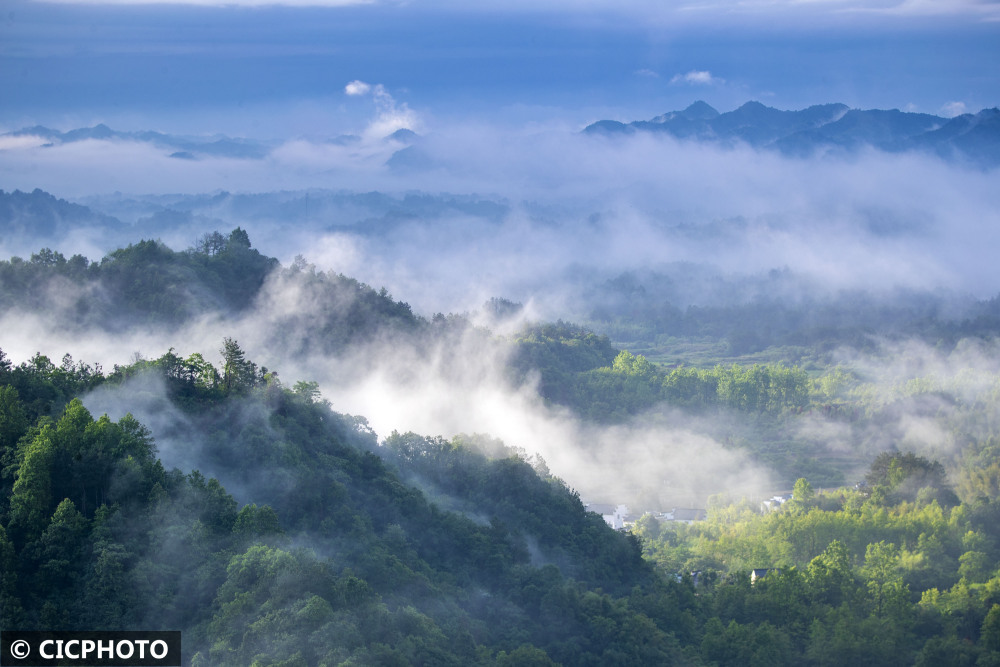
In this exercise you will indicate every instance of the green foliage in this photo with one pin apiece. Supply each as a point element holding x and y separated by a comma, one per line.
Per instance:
<point>897,477</point>
<point>802,496</point>
<point>558,353</point>
<point>98,535</point>
<point>422,550</point>
<point>736,644</point>
<point>256,522</point>
<point>145,282</point>
<point>13,420</point>
<point>93,516</point>
<point>990,631</point>
<point>31,495</point>
<point>632,384</point>
<point>850,571</point>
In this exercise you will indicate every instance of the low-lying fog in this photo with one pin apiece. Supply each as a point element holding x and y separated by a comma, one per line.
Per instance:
<point>538,215</point>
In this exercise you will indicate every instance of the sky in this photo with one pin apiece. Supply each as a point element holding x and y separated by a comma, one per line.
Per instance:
<point>279,70</point>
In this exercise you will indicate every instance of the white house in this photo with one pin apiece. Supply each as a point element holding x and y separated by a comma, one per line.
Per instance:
<point>614,515</point>
<point>684,515</point>
<point>774,503</point>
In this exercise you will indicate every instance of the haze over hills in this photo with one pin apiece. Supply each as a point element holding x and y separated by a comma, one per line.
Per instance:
<point>969,137</point>
<point>182,147</point>
<point>338,332</point>
<point>674,315</point>
<point>833,127</point>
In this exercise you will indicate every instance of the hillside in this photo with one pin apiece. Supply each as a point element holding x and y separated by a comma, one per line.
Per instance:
<point>752,374</point>
<point>330,548</point>
<point>271,529</point>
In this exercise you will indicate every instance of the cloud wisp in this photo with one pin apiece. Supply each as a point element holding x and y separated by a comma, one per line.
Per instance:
<point>697,78</point>
<point>219,3</point>
<point>390,115</point>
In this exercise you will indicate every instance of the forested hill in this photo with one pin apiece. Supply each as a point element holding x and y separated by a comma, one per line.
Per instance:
<point>147,283</point>
<point>40,215</point>
<point>273,531</point>
<point>314,544</point>
<point>328,557</point>
<point>771,364</point>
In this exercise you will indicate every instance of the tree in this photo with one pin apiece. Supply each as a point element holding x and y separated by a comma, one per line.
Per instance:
<point>211,244</point>
<point>236,370</point>
<point>253,521</point>
<point>307,390</point>
<point>990,633</point>
<point>200,372</point>
<point>10,605</point>
<point>13,420</point>
<point>632,364</point>
<point>524,656</point>
<point>31,496</point>
<point>829,575</point>
<point>895,477</point>
<point>885,582</point>
<point>60,548</point>
<point>238,238</point>
<point>802,495</point>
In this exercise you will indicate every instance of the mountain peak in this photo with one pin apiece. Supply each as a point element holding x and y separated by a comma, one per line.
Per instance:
<point>700,111</point>
<point>404,135</point>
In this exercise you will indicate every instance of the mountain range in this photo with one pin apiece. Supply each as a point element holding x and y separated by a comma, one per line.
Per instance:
<point>183,147</point>
<point>825,128</point>
<point>973,138</point>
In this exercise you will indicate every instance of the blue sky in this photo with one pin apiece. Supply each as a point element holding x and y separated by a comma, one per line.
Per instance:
<point>280,71</point>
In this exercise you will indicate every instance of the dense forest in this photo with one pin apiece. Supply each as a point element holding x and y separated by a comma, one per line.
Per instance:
<point>339,559</point>
<point>295,535</point>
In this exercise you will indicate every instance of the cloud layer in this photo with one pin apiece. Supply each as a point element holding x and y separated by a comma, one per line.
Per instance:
<point>867,220</point>
<point>649,8</point>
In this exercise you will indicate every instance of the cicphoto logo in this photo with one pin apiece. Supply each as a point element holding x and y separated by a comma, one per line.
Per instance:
<point>94,649</point>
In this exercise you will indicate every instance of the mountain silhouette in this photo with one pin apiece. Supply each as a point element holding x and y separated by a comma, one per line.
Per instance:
<point>970,138</point>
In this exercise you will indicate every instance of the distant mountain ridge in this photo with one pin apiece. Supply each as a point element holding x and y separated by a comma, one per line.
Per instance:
<point>973,138</point>
<point>823,128</point>
<point>184,147</point>
<point>39,214</point>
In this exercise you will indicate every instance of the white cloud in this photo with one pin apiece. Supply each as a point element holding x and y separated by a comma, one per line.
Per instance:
<point>697,78</point>
<point>15,142</point>
<point>952,109</point>
<point>357,88</point>
<point>390,115</point>
<point>649,11</point>
<point>218,3</point>
<point>899,8</point>
<point>987,11</point>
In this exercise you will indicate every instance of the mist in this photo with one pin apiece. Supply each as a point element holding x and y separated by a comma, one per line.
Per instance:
<point>542,215</point>
<point>459,383</point>
<point>571,205</point>
<point>655,462</point>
